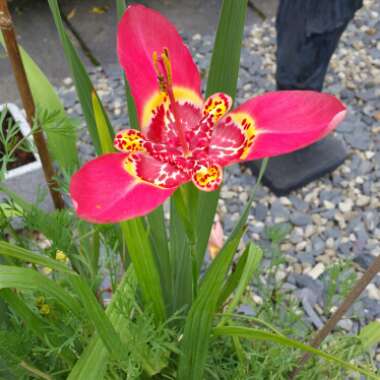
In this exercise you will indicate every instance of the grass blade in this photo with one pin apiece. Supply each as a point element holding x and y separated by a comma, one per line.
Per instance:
<point>36,324</point>
<point>223,75</point>
<point>82,81</point>
<point>28,279</point>
<point>160,247</point>
<point>142,257</point>
<point>180,260</point>
<point>93,361</point>
<point>254,256</point>
<point>9,250</point>
<point>105,138</point>
<point>256,334</point>
<point>132,112</point>
<point>199,320</point>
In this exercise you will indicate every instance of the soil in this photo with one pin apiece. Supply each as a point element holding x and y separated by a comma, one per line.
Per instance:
<point>21,157</point>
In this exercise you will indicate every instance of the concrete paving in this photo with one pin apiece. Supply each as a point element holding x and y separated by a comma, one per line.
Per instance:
<point>94,21</point>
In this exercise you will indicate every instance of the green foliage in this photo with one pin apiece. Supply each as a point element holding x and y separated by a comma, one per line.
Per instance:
<point>61,144</point>
<point>84,87</point>
<point>338,280</point>
<point>10,141</point>
<point>223,75</point>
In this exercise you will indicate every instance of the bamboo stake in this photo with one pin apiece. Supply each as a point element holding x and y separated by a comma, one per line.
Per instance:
<point>355,292</point>
<point>13,51</point>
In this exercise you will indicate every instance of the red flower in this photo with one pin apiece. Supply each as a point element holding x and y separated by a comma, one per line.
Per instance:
<point>183,137</point>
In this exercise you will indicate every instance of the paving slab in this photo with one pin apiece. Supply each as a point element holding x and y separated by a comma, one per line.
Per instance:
<point>94,21</point>
<point>36,32</point>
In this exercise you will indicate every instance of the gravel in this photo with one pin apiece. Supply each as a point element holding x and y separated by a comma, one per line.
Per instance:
<point>334,219</point>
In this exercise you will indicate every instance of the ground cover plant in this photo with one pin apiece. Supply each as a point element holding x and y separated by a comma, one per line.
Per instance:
<point>114,287</point>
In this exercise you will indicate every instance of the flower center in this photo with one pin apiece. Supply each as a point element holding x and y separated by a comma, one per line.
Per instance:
<point>163,68</point>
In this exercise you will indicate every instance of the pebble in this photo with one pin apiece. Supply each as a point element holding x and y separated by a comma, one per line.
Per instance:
<point>316,271</point>
<point>346,206</point>
<point>373,291</point>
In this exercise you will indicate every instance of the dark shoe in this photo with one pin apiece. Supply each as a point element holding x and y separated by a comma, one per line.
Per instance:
<point>295,170</point>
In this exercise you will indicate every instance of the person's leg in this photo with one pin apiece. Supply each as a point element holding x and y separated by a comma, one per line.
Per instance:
<point>302,62</point>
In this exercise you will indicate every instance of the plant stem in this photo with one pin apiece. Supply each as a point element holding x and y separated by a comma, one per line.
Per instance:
<point>34,371</point>
<point>9,34</point>
<point>355,292</point>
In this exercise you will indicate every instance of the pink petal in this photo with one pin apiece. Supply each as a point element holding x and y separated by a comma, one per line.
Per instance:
<point>282,121</point>
<point>141,32</point>
<point>104,192</point>
<point>290,120</point>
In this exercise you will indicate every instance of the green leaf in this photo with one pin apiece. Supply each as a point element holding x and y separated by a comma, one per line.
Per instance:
<point>132,112</point>
<point>97,315</point>
<point>36,324</point>
<point>256,334</point>
<point>120,8</point>
<point>105,138</point>
<point>254,255</point>
<point>199,320</point>
<point>370,335</point>
<point>9,250</point>
<point>223,76</point>
<point>140,251</point>
<point>233,280</point>
<point>82,81</point>
<point>181,262</point>
<point>159,240</point>
<point>93,362</point>
<point>29,279</point>
<point>62,146</point>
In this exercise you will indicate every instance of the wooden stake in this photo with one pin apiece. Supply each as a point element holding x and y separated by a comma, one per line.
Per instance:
<point>13,51</point>
<point>355,292</point>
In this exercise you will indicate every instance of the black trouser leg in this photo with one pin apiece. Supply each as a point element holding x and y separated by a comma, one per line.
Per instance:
<point>302,58</point>
<point>305,45</point>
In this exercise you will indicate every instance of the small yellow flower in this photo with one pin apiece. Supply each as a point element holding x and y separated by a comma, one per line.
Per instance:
<point>60,256</point>
<point>45,309</point>
<point>40,301</point>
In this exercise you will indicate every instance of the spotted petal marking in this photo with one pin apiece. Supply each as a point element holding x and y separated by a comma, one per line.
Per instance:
<point>208,177</point>
<point>129,140</point>
<point>232,138</point>
<point>216,106</point>
<point>148,169</point>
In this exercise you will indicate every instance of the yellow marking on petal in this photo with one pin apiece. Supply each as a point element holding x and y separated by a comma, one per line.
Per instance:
<point>130,166</point>
<point>247,126</point>
<point>129,140</point>
<point>181,95</point>
<point>217,106</point>
<point>208,178</point>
